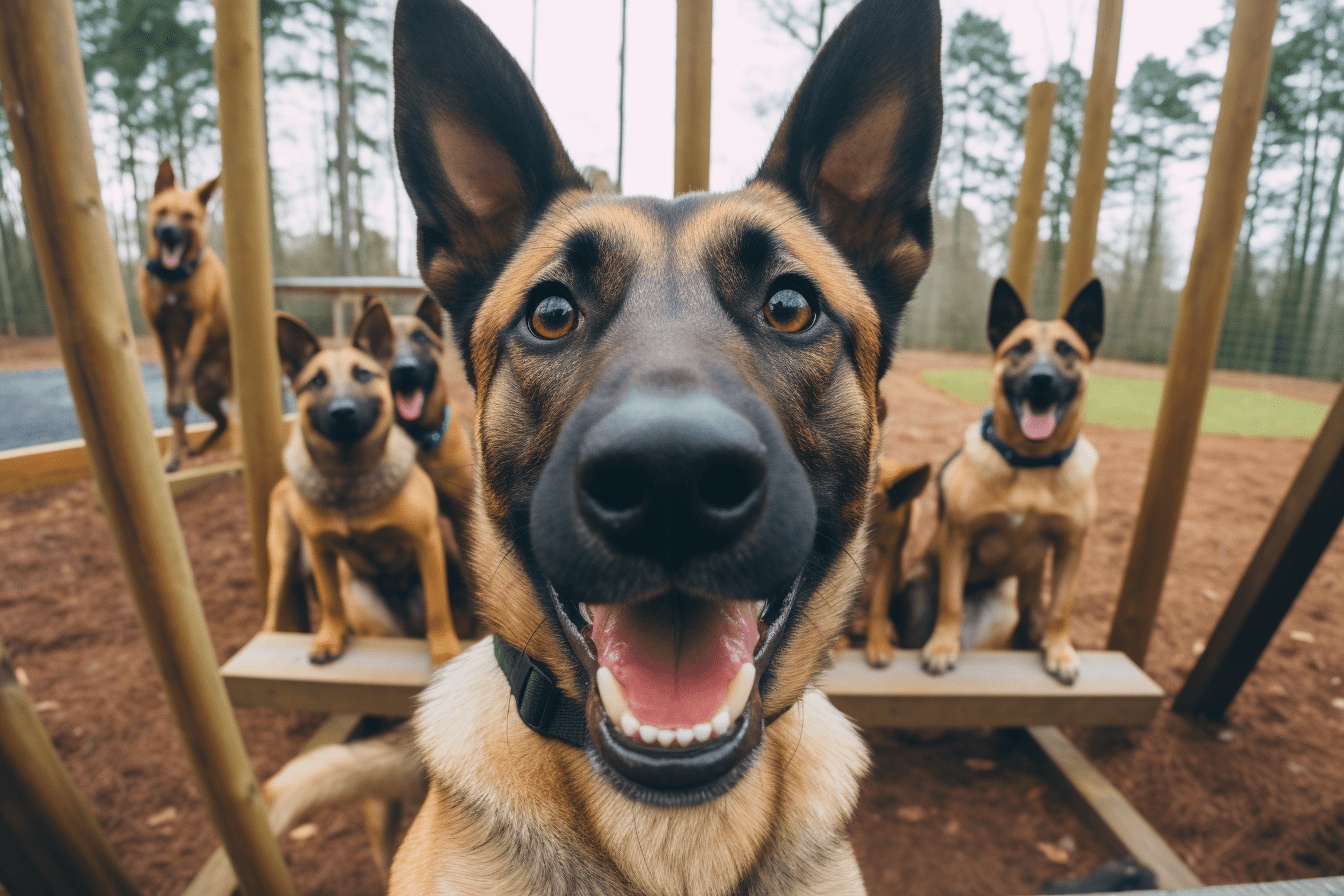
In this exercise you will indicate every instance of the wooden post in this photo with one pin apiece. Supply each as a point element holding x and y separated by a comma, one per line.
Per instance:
<point>1199,321</point>
<point>247,246</point>
<point>1022,252</point>
<point>695,51</point>
<point>42,84</point>
<point>1300,532</point>
<point>49,843</point>
<point>1092,153</point>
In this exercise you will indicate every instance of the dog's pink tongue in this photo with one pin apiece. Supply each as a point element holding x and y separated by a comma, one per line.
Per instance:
<point>674,659</point>
<point>1037,427</point>
<point>410,406</point>
<point>169,258</point>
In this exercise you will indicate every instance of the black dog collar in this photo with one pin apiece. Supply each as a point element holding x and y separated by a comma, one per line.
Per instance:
<point>173,275</point>
<point>1019,460</point>
<point>430,440</point>
<point>542,706</point>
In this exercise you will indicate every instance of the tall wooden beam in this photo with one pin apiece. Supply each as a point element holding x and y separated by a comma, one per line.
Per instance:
<point>1092,154</point>
<point>42,84</point>
<point>49,843</point>
<point>1036,131</point>
<point>1199,322</point>
<point>247,247</point>
<point>1300,532</point>
<point>695,51</point>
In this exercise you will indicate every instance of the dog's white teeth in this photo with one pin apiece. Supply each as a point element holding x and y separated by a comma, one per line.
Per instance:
<point>648,733</point>
<point>666,736</point>
<point>703,731</point>
<point>721,722</point>
<point>613,698</point>
<point>739,691</point>
<point>586,613</point>
<point>759,607</point>
<point>685,736</point>
<point>630,725</point>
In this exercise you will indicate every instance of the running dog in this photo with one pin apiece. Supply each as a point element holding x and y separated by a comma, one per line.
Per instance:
<point>897,487</point>
<point>677,430</point>
<point>354,502</point>
<point>182,289</point>
<point>1022,483</point>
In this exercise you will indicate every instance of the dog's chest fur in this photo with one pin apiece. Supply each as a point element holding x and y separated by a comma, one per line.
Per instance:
<point>512,813</point>
<point>354,493</point>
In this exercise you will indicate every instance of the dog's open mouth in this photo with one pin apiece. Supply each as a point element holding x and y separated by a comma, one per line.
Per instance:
<point>171,256</point>
<point>410,404</point>
<point>1037,425</point>
<point>674,704</point>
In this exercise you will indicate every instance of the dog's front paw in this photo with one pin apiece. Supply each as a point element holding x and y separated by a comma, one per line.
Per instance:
<point>177,408</point>
<point>170,464</point>
<point>1061,660</point>
<point>940,654</point>
<point>879,651</point>
<point>327,646</point>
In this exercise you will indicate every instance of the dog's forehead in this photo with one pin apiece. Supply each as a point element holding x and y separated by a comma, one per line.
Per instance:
<point>175,199</point>
<point>683,237</point>
<point>1043,335</point>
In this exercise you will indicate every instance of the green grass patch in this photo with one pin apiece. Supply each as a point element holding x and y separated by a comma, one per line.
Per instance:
<point>1132,404</point>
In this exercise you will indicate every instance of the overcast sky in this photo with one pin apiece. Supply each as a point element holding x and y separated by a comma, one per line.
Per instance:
<point>756,67</point>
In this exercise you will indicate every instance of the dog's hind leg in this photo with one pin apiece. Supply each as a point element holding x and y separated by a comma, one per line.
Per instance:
<point>211,390</point>
<point>382,821</point>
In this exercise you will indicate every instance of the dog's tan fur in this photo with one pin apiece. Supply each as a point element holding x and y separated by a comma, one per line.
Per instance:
<point>369,506</point>
<point>1000,522</point>
<point>189,317</point>
<point>897,487</point>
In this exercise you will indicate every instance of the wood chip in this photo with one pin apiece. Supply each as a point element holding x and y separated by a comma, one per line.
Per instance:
<point>1054,853</point>
<point>1210,594</point>
<point>21,675</point>
<point>163,816</point>
<point>47,706</point>
<point>303,832</point>
<point>910,813</point>
<point>1197,648</point>
<point>980,765</point>
<point>1304,637</point>
<point>1337,703</point>
<point>952,828</point>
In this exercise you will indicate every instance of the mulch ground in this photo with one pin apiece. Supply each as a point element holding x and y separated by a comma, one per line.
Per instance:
<point>1257,797</point>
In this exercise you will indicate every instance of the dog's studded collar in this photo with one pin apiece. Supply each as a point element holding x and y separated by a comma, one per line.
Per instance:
<point>1014,458</point>
<point>542,706</point>
<point>173,275</point>
<point>428,441</point>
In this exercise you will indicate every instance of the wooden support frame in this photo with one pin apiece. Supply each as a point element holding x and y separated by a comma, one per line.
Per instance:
<point>1298,535</point>
<point>1194,344</point>
<point>1105,809</point>
<point>247,245</point>
<point>50,844</point>
<point>384,676</point>
<point>42,79</point>
<point>1023,244</point>
<point>1093,149</point>
<point>695,51</point>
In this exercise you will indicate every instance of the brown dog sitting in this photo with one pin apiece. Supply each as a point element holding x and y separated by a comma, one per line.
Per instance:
<point>1022,483</point>
<point>181,287</point>
<point>355,500</point>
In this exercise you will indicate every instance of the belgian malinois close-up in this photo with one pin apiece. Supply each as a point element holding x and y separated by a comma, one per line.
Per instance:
<point>1021,487</point>
<point>182,289</point>
<point>354,501</point>
<point>678,436</point>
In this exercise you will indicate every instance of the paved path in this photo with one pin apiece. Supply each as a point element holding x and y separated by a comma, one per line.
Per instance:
<point>36,407</point>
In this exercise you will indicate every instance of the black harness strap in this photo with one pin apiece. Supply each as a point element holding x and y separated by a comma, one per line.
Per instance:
<point>1015,459</point>
<point>173,275</point>
<point>542,706</point>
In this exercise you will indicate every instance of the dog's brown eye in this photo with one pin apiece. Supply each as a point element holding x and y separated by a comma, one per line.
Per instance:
<point>1022,347</point>
<point>1064,350</point>
<point>361,375</point>
<point>788,312</point>
<point>318,381</point>
<point>553,317</point>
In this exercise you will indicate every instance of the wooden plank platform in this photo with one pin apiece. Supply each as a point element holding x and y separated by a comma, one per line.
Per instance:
<point>381,676</point>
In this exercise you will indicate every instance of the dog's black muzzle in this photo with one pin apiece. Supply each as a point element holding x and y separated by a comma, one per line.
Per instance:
<point>346,419</point>
<point>410,372</point>
<point>170,236</point>
<point>1041,386</point>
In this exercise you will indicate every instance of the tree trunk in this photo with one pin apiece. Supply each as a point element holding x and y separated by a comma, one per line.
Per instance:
<point>1241,322</point>
<point>1281,317</point>
<point>343,100</point>
<point>620,112</point>
<point>1313,296</point>
<point>821,26</point>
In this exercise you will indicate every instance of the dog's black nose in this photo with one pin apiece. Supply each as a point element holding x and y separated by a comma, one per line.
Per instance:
<point>1041,383</point>
<point>671,476</point>
<point>169,234</point>
<point>342,409</point>
<point>345,419</point>
<point>404,376</point>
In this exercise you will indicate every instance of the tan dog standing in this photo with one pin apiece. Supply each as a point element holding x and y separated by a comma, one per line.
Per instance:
<point>182,291</point>
<point>365,512</point>
<point>1022,484</point>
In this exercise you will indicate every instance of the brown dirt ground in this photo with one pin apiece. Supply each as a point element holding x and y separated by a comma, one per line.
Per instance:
<point>1259,797</point>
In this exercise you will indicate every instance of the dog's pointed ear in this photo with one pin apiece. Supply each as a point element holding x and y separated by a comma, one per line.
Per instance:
<point>297,343</point>
<point>207,189</point>
<point>1087,314</point>
<point>907,485</point>
<point>1005,312</point>
<point>431,312</point>
<point>165,180</point>
<point>373,333</point>
<point>858,144</point>
<point>478,154</point>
